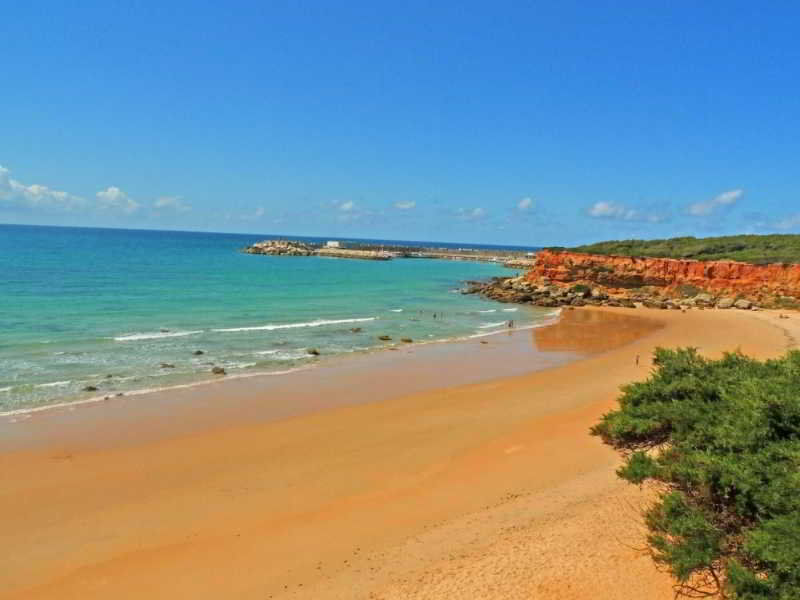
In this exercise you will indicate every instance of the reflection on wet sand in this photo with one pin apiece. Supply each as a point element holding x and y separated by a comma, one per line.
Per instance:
<point>592,331</point>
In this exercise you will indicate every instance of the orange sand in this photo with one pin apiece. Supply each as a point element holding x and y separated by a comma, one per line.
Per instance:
<point>489,490</point>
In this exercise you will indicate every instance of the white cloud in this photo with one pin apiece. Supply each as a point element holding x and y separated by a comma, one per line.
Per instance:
<point>613,210</point>
<point>113,198</point>
<point>471,214</point>
<point>348,206</point>
<point>175,203</point>
<point>703,209</point>
<point>525,204</point>
<point>110,200</point>
<point>405,205</point>
<point>35,196</point>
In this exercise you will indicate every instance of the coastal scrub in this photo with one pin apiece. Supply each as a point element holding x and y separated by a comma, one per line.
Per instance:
<point>720,442</point>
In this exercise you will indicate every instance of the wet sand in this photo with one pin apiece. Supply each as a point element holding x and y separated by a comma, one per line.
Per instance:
<point>488,489</point>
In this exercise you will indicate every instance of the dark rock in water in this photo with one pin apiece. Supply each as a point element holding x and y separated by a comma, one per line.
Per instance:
<point>218,370</point>
<point>473,287</point>
<point>109,376</point>
<point>90,388</point>
<point>198,352</point>
<point>167,366</point>
<point>164,330</point>
<point>119,394</point>
<point>356,330</point>
<point>384,338</point>
<point>313,352</point>
<point>406,340</point>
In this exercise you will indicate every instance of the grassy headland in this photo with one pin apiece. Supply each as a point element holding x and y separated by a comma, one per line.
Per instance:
<point>757,249</point>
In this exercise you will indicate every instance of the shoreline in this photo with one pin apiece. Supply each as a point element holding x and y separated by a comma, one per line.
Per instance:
<point>550,319</point>
<point>495,480</point>
<point>338,381</point>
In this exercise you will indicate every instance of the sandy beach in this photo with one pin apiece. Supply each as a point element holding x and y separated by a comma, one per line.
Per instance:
<point>422,484</point>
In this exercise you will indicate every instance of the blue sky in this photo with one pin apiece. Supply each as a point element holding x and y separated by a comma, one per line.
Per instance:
<point>506,122</point>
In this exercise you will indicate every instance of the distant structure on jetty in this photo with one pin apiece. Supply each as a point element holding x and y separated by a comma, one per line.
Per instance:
<point>518,259</point>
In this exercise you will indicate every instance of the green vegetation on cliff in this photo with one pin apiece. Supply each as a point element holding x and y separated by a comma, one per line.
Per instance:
<point>720,442</point>
<point>758,249</point>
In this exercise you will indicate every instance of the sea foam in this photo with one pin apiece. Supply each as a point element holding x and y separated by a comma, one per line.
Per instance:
<point>488,325</point>
<point>135,337</point>
<point>53,384</point>
<point>317,323</point>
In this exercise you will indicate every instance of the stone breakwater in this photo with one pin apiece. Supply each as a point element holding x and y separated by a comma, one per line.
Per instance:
<point>291,248</point>
<point>772,284</point>
<point>280,248</point>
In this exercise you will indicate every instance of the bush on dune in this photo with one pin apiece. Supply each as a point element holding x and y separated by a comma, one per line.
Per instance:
<point>720,440</point>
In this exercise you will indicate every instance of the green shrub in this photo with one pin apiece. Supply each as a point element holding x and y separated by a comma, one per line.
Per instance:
<point>580,288</point>
<point>721,441</point>
<point>759,249</point>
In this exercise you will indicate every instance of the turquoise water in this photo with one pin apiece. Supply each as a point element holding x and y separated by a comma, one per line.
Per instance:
<point>80,305</point>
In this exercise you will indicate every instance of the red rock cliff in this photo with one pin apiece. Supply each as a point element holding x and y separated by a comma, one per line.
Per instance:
<point>756,282</point>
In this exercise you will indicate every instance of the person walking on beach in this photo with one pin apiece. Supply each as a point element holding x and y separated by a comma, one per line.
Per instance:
<point>637,360</point>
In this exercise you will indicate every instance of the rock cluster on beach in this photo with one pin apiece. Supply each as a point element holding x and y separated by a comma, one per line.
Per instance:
<point>546,293</point>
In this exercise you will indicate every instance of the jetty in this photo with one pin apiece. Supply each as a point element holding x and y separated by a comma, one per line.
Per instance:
<point>515,259</point>
<point>297,248</point>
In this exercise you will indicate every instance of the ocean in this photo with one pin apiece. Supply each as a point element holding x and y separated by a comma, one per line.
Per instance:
<point>127,311</point>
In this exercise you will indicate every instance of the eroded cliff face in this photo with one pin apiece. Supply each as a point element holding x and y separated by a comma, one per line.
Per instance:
<point>759,283</point>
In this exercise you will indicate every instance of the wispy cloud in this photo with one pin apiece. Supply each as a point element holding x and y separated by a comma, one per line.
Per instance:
<point>790,222</point>
<point>614,210</point>
<point>703,209</point>
<point>175,203</point>
<point>16,194</point>
<point>471,214</point>
<point>525,204</point>
<point>253,216</point>
<point>347,206</point>
<point>405,205</point>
